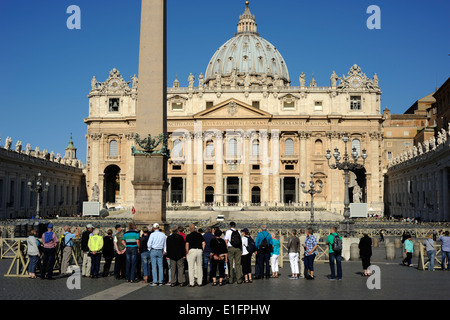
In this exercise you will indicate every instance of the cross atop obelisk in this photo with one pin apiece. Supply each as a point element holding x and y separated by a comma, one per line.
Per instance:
<point>150,170</point>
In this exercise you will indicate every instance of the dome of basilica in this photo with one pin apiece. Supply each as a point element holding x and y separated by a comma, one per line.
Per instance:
<point>247,55</point>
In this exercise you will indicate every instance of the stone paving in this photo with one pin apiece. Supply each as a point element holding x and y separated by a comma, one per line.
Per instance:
<point>397,283</point>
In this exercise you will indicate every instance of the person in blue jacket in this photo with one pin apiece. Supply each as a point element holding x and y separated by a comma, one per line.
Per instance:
<point>264,247</point>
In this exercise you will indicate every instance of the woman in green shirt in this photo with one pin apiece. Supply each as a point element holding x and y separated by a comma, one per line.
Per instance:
<point>409,249</point>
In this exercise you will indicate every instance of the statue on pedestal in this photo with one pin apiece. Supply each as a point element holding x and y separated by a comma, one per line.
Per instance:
<point>95,193</point>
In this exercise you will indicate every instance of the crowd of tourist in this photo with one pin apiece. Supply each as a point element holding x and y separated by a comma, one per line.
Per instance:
<point>208,256</point>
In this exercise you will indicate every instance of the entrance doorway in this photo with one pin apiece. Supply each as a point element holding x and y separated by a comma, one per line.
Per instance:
<point>256,195</point>
<point>209,195</point>
<point>289,190</point>
<point>233,189</point>
<point>111,184</point>
<point>176,195</point>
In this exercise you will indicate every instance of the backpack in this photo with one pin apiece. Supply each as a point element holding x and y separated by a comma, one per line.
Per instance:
<point>264,246</point>
<point>337,244</point>
<point>251,247</point>
<point>62,242</point>
<point>236,241</point>
<point>48,236</point>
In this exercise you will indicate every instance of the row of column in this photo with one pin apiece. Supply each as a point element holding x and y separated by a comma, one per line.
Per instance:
<point>269,167</point>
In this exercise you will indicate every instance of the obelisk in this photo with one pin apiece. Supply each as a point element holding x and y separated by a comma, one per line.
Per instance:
<point>150,171</point>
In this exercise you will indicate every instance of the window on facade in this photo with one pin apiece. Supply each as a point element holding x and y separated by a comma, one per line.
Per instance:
<point>289,105</point>
<point>255,167</point>
<point>210,149</point>
<point>177,148</point>
<point>355,103</point>
<point>289,147</point>
<point>209,104</point>
<point>113,149</point>
<point>318,106</point>
<point>255,148</point>
<point>114,104</point>
<point>177,106</point>
<point>255,104</point>
<point>289,167</point>
<point>176,167</point>
<point>209,167</point>
<point>318,147</point>
<point>232,147</point>
<point>389,155</point>
<point>357,144</point>
<point>11,192</point>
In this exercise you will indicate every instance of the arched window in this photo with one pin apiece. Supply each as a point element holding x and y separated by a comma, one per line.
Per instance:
<point>255,148</point>
<point>210,149</point>
<point>318,147</point>
<point>289,147</point>
<point>177,148</point>
<point>113,148</point>
<point>356,144</point>
<point>232,147</point>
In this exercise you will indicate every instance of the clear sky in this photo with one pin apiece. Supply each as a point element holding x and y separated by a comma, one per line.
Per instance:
<point>46,69</point>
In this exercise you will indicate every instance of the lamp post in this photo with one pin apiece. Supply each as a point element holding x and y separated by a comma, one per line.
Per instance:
<point>38,188</point>
<point>312,191</point>
<point>346,165</point>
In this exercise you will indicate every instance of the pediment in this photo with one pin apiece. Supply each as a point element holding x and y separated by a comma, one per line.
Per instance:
<point>234,109</point>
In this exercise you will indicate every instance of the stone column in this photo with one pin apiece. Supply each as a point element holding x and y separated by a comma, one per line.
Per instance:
<point>225,187</point>
<point>282,189</point>
<point>199,167</point>
<point>189,183</point>
<point>169,191</point>
<point>150,176</point>
<point>218,151</point>
<point>275,164</point>
<point>303,135</point>
<point>265,169</point>
<point>246,197</point>
<point>445,196</point>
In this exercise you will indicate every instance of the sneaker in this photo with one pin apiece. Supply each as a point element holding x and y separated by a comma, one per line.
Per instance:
<point>293,278</point>
<point>153,284</point>
<point>331,279</point>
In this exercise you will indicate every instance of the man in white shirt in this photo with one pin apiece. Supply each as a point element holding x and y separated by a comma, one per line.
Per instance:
<point>234,243</point>
<point>157,246</point>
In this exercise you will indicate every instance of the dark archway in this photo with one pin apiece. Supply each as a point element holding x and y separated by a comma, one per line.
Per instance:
<point>111,184</point>
<point>209,195</point>
<point>176,190</point>
<point>233,188</point>
<point>289,190</point>
<point>256,195</point>
<point>361,181</point>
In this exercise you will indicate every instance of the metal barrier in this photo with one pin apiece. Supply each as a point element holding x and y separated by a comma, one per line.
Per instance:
<point>16,248</point>
<point>423,264</point>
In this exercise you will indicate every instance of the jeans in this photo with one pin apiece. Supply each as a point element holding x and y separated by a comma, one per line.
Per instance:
<point>431,255</point>
<point>263,258</point>
<point>445,254</point>
<point>33,263</point>
<point>95,264</point>
<point>145,257</point>
<point>47,262</point>
<point>338,258</point>
<point>156,257</point>
<point>131,254</point>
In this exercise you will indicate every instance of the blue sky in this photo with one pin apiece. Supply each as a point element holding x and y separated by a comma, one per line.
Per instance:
<point>45,68</point>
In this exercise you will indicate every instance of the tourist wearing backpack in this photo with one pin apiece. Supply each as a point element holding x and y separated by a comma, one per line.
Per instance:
<point>50,242</point>
<point>233,239</point>
<point>264,248</point>
<point>248,247</point>
<point>66,245</point>
<point>334,242</point>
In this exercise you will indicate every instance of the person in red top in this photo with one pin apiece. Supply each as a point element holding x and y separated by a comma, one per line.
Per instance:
<point>180,232</point>
<point>50,242</point>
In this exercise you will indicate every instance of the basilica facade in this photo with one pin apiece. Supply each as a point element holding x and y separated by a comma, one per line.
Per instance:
<point>243,133</point>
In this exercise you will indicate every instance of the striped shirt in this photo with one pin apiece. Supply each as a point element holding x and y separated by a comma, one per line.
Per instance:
<point>130,237</point>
